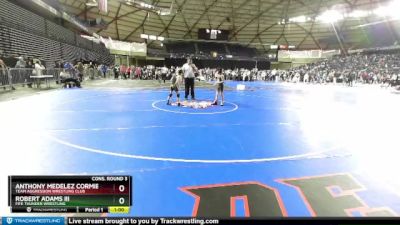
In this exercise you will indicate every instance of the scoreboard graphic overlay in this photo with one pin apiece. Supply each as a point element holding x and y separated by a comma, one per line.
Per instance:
<point>70,194</point>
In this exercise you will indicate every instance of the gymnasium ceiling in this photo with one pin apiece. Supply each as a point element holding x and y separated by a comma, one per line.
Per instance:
<point>251,22</point>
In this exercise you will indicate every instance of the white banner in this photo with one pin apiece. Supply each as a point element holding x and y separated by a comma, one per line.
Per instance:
<point>128,48</point>
<point>103,5</point>
<point>286,54</point>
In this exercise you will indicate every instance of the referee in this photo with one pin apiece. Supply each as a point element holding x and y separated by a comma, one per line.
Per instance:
<point>188,71</point>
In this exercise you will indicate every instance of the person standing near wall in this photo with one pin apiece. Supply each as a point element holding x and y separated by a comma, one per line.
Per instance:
<point>104,70</point>
<point>21,65</point>
<point>188,70</point>
<point>80,69</point>
<point>39,68</point>
<point>164,72</point>
<point>138,73</point>
<point>116,72</point>
<point>3,74</point>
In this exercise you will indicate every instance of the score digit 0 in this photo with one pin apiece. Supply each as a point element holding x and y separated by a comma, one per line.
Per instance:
<point>121,201</point>
<point>121,188</point>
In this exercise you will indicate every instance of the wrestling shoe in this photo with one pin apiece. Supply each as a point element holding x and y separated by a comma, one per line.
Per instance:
<point>179,104</point>
<point>214,103</point>
<point>222,104</point>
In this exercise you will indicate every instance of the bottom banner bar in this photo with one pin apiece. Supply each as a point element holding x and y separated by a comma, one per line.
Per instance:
<point>209,221</point>
<point>192,221</point>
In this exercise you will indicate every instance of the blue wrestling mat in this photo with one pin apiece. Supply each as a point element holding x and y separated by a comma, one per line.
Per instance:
<point>271,150</point>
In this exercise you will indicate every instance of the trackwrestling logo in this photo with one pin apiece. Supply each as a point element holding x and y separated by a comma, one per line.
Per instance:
<point>33,220</point>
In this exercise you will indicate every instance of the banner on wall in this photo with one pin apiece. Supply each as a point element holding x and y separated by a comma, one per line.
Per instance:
<point>125,48</point>
<point>287,54</point>
<point>103,6</point>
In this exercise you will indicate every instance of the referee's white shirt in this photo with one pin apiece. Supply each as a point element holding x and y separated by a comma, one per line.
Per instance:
<point>188,71</point>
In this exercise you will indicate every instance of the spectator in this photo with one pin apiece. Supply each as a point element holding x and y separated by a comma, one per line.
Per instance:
<point>22,72</point>
<point>69,68</point>
<point>30,66</point>
<point>80,68</point>
<point>116,72</point>
<point>128,71</point>
<point>104,70</point>
<point>20,63</point>
<point>3,74</point>
<point>138,72</point>
<point>38,71</point>
<point>68,81</point>
<point>164,72</point>
<point>122,71</point>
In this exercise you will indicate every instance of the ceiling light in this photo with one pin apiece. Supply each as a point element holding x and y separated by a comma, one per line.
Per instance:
<point>129,2</point>
<point>381,11</point>
<point>92,3</point>
<point>330,16</point>
<point>298,19</point>
<point>358,14</point>
<point>390,10</point>
<point>164,13</point>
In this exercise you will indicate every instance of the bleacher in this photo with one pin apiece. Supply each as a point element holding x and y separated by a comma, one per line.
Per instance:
<point>160,53</point>
<point>181,48</point>
<point>4,39</point>
<point>27,44</point>
<point>241,51</point>
<point>60,33</point>
<point>21,18</point>
<point>207,48</point>
<point>83,42</point>
<point>24,33</point>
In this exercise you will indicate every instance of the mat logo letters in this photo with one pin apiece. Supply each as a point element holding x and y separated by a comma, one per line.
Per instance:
<point>328,195</point>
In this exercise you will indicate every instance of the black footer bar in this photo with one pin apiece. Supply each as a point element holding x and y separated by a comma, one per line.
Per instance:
<point>214,221</point>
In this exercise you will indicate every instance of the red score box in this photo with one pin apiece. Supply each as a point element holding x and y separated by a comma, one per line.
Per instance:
<point>104,188</point>
<point>69,185</point>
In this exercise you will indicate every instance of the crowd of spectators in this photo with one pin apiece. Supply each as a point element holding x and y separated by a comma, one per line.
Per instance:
<point>26,67</point>
<point>375,68</point>
<point>82,70</point>
<point>372,68</point>
<point>149,72</point>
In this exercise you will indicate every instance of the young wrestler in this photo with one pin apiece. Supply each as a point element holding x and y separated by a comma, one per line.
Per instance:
<point>219,82</point>
<point>176,81</point>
